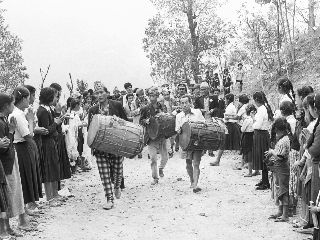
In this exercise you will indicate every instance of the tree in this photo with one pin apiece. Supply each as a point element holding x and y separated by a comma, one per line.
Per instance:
<point>82,86</point>
<point>205,30</point>
<point>12,70</point>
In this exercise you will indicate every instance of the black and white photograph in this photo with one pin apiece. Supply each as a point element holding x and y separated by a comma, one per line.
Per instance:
<point>159,120</point>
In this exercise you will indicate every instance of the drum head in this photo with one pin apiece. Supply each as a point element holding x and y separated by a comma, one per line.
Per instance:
<point>184,137</point>
<point>153,128</point>
<point>93,129</point>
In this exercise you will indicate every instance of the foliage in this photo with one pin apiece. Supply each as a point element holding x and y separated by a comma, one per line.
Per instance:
<point>181,35</point>
<point>12,70</point>
<point>82,86</point>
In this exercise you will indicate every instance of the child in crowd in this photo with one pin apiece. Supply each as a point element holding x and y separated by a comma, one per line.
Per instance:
<point>247,137</point>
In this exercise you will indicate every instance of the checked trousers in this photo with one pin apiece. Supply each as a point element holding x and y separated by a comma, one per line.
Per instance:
<point>105,162</point>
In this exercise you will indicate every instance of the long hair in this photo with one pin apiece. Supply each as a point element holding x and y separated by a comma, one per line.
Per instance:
<point>261,98</point>
<point>315,103</point>
<point>286,86</point>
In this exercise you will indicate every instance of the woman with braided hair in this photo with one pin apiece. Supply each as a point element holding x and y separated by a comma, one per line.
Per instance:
<point>285,88</point>
<point>261,137</point>
<point>313,150</point>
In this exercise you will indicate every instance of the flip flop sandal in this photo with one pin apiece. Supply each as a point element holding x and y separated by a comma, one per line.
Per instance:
<point>273,216</point>
<point>196,190</point>
<point>281,220</point>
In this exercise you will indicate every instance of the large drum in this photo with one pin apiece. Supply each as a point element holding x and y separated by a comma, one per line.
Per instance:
<point>202,136</point>
<point>116,136</point>
<point>162,126</point>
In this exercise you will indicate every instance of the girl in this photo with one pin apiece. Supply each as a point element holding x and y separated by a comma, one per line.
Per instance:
<point>287,111</point>
<point>247,137</point>
<point>261,137</point>
<point>279,162</point>
<point>285,88</point>
<point>72,133</point>
<point>304,166</point>
<point>26,148</point>
<point>50,160</point>
<point>312,147</point>
<point>233,136</point>
<point>243,103</point>
<point>12,198</point>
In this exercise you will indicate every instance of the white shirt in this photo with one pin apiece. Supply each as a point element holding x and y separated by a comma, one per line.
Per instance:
<point>22,128</point>
<point>194,116</point>
<point>261,119</point>
<point>247,125</point>
<point>292,122</point>
<point>231,110</point>
<point>311,126</point>
<point>242,113</point>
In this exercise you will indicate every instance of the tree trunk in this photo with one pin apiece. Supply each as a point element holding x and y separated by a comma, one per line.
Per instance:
<point>312,20</point>
<point>194,41</point>
<point>278,38</point>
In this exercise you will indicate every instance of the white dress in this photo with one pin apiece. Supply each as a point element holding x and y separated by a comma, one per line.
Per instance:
<point>72,137</point>
<point>86,149</point>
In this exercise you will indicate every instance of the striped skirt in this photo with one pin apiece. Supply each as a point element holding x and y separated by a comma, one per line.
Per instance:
<point>261,144</point>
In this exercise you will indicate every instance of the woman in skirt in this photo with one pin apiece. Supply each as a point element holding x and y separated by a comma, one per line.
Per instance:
<point>261,137</point>
<point>247,137</point>
<point>230,116</point>
<point>50,159</point>
<point>26,148</point>
<point>65,169</point>
<point>12,197</point>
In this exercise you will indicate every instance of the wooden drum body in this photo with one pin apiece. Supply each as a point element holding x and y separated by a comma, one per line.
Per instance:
<point>197,136</point>
<point>162,126</point>
<point>116,136</point>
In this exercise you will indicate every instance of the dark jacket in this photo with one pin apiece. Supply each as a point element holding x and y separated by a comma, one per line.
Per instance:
<point>213,103</point>
<point>7,155</point>
<point>115,109</point>
<point>149,111</point>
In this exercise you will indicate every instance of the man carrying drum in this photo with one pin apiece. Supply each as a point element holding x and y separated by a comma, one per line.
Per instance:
<point>192,157</point>
<point>158,144</point>
<point>105,160</point>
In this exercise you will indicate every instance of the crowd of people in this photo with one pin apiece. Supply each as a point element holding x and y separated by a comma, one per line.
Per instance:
<point>40,148</point>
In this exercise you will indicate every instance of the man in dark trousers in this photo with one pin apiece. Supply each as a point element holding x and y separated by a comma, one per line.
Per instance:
<point>105,160</point>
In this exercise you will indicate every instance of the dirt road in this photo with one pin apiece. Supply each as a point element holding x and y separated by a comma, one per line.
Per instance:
<point>228,208</point>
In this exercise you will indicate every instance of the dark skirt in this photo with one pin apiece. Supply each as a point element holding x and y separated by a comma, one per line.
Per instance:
<point>49,163</point>
<point>261,144</point>
<point>3,197</point>
<point>247,142</point>
<point>65,169</point>
<point>28,156</point>
<point>315,182</point>
<point>233,137</point>
<point>281,184</point>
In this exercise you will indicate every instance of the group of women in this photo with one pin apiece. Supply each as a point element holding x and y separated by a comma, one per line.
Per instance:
<point>36,149</point>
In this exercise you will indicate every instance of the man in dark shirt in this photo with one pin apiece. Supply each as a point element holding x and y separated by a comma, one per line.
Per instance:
<point>159,144</point>
<point>105,160</point>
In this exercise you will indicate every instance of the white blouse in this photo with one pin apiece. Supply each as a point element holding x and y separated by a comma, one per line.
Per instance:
<point>261,119</point>
<point>292,122</point>
<point>231,110</point>
<point>242,114</point>
<point>22,128</point>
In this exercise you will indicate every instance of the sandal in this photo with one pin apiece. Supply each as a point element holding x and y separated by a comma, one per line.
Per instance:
<point>196,190</point>
<point>282,220</point>
<point>273,216</point>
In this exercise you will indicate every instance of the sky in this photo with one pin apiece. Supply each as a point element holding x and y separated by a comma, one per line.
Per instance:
<point>93,40</point>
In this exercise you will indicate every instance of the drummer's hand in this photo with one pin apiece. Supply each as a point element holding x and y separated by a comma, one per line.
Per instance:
<point>147,121</point>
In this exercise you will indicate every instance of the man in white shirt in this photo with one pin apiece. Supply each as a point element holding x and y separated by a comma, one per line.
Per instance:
<point>192,157</point>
